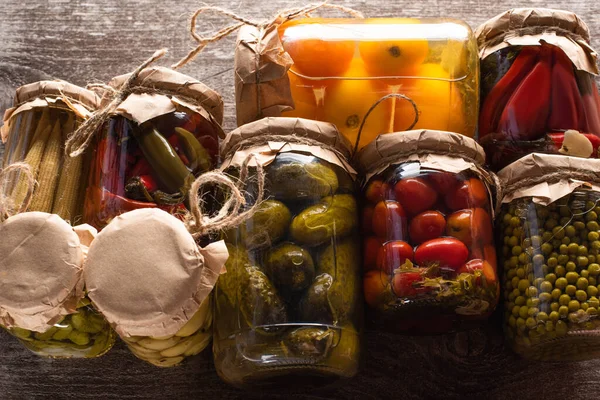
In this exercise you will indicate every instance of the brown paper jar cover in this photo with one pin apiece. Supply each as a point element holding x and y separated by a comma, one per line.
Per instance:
<point>175,83</point>
<point>529,26</point>
<point>574,172</point>
<point>41,268</point>
<point>147,276</point>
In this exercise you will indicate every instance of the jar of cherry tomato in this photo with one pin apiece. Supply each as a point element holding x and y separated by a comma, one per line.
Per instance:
<point>288,310</point>
<point>550,234</point>
<point>164,134</point>
<point>537,82</point>
<point>342,67</point>
<point>429,260</point>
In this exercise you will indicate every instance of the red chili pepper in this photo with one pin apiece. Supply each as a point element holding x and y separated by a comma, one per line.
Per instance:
<point>558,138</point>
<point>142,167</point>
<point>174,141</point>
<point>567,106</point>
<point>102,206</point>
<point>149,183</point>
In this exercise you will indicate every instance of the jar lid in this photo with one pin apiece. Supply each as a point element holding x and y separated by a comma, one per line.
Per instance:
<point>41,268</point>
<point>295,130</point>
<point>57,88</point>
<point>548,177</point>
<point>529,26</point>
<point>177,83</point>
<point>146,275</point>
<point>396,147</point>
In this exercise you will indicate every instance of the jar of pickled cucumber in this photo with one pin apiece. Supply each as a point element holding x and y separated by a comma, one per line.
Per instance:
<point>158,294</point>
<point>43,116</point>
<point>42,297</point>
<point>288,310</point>
<point>544,52</point>
<point>343,67</point>
<point>163,135</point>
<point>550,235</point>
<point>429,260</point>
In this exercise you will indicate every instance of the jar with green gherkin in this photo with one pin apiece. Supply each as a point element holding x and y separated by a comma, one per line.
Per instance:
<point>549,230</point>
<point>288,311</point>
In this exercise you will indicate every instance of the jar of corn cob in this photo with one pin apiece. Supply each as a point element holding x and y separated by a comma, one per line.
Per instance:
<point>44,114</point>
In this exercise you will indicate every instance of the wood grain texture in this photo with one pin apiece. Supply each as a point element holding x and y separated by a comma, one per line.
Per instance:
<point>87,40</point>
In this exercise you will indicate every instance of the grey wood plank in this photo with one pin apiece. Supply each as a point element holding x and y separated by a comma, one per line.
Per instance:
<point>86,40</point>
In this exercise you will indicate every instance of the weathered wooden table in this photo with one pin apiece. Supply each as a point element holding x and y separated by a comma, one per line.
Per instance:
<point>91,40</point>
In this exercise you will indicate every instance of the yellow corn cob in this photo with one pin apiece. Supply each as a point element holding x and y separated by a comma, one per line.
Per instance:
<point>48,174</point>
<point>33,158</point>
<point>67,193</point>
<point>42,124</point>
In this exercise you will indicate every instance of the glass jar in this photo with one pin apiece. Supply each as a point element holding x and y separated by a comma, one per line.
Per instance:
<point>431,61</point>
<point>44,303</point>
<point>537,82</point>
<point>550,254</point>
<point>429,259</point>
<point>148,155</point>
<point>288,310</point>
<point>36,128</point>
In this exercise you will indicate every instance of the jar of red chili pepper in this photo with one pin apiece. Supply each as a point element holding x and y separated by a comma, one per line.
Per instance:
<point>429,259</point>
<point>163,134</point>
<point>537,82</point>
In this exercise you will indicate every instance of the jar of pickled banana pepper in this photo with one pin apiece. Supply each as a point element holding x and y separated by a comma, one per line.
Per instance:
<point>288,310</point>
<point>164,134</point>
<point>429,260</point>
<point>342,67</point>
<point>42,297</point>
<point>158,294</point>
<point>550,233</point>
<point>537,82</point>
<point>35,129</point>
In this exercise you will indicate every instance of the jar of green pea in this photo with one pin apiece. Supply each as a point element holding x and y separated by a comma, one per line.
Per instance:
<point>549,233</point>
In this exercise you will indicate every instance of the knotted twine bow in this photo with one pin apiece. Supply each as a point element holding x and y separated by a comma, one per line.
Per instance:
<point>278,19</point>
<point>7,206</point>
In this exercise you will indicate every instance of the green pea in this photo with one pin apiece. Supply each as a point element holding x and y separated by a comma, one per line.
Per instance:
<point>521,323</point>
<point>594,302</point>
<point>582,283</point>
<point>530,322</point>
<point>554,316</point>
<point>579,225</point>
<point>515,221</point>
<point>592,291</point>
<point>563,249</point>
<point>564,299</point>
<point>506,218</point>
<point>533,302</point>
<point>566,240</point>
<point>551,278</point>
<point>552,262</point>
<point>549,326</point>
<point>524,312</point>
<point>572,277</point>
<point>571,290</point>
<point>561,283</point>
<point>556,293</point>
<point>516,250</point>
<point>546,248</point>
<point>523,285</point>
<point>545,297</point>
<point>574,305</point>
<point>546,286</point>
<point>570,230</point>
<point>584,306</point>
<point>563,311</point>
<point>533,311</point>
<point>515,311</point>
<point>523,258</point>
<point>584,273</point>
<point>591,216</point>
<point>513,241</point>
<point>591,311</point>
<point>563,259</point>
<point>594,235</point>
<point>582,261</point>
<point>581,295</point>
<point>558,232</point>
<point>550,223</point>
<point>512,321</point>
<point>592,281</point>
<point>515,282</point>
<point>595,245</point>
<point>582,251</point>
<point>515,293</point>
<point>521,272</point>
<point>573,248</point>
<point>561,328</point>
<point>520,300</point>
<point>571,266</point>
<point>542,316</point>
<point>79,338</point>
<point>594,269</point>
<point>554,306</point>
<point>592,258</point>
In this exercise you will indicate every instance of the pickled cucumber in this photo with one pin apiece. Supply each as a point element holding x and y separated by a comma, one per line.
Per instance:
<point>266,227</point>
<point>318,224</point>
<point>259,300</point>
<point>290,268</point>
<point>293,180</point>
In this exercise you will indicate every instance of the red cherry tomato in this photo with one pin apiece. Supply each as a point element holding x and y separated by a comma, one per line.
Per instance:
<point>403,284</point>
<point>377,191</point>
<point>446,252</point>
<point>443,182</point>
<point>425,226</point>
<point>479,265</point>
<point>389,220</point>
<point>375,284</point>
<point>469,194</point>
<point>471,226</point>
<point>367,220</point>
<point>371,247</point>
<point>415,194</point>
<point>393,254</point>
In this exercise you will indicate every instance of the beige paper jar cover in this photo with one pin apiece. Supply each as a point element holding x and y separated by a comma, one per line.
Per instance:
<point>158,91</point>
<point>531,26</point>
<point>548,177</point>
<point>147,276</point>
<point>41,263</point>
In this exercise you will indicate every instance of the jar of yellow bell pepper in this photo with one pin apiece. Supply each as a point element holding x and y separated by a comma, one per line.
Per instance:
<point>343,67</point>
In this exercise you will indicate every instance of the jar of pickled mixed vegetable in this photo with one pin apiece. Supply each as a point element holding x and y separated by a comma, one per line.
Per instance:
<point>288,310</point>
<point>550,233</point>
<point>537,82</point>
<point>42,298</point>
<point>429,260</point>
<point>164,134</point>
<point>35,130</point>
<point>157,295</point>
<point>342,67</point>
